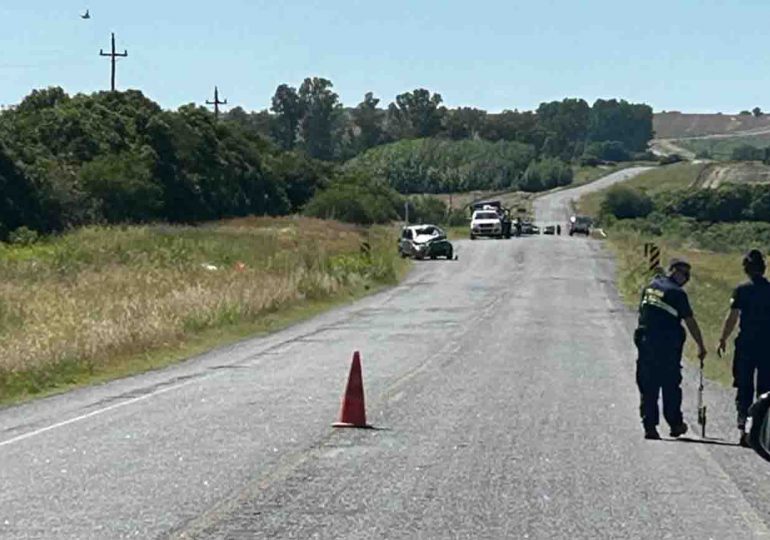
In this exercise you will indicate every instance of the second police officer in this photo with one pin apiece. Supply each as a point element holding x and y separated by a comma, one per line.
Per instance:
<point>750,304</point>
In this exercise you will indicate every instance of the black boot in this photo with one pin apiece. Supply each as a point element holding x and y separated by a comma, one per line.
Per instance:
<point>744,440</point>
<point>651,433</point>
<point>678,430</point>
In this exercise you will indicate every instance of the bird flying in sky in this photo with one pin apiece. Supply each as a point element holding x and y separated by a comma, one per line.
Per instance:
<point>86,15</point>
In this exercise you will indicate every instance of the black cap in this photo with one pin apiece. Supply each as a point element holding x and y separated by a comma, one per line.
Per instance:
<point>754,256</point>
<point>754,262</point>
<point>678,263</point>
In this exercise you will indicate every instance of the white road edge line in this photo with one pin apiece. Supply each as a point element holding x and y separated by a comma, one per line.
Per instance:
<point>92,413</point>
<point>745,509</point>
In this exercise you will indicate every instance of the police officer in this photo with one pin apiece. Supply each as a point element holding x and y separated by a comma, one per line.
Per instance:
<point>751,304</point>
<point>659,339</point>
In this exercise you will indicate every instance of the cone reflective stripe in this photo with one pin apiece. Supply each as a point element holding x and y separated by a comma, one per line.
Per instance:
<point>353,409</point>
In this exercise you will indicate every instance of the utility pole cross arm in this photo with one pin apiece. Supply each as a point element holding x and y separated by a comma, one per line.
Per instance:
<point>113,55</point>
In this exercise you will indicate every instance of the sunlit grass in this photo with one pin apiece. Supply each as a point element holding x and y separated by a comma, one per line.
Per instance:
<point>90,300</point>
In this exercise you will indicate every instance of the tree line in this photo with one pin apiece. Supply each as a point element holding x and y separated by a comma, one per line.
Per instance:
<point>118,157</point>
<point>311,117</point>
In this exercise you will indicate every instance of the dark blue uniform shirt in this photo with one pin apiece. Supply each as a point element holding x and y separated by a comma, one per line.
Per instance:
<point>753,299</point>
<point>663,306</point>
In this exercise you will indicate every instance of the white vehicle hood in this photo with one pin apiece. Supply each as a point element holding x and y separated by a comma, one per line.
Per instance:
<point>422,238</point>
<point>485,222</point>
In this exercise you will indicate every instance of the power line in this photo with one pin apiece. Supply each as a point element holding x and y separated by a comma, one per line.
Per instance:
<point>113,55</point>
<point>216,103</point>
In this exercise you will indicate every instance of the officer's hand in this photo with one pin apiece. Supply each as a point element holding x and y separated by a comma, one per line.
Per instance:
<point>701,353</point>
<point>721,348</point>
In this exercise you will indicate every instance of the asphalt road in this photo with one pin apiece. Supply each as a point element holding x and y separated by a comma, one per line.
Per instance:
<point>502,389</point>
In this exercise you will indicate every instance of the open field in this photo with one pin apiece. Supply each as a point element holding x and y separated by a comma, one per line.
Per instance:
<point>103,302</point>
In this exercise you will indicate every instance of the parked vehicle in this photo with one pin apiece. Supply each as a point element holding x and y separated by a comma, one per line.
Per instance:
<point>502,215</point>
<point>486,223</point>
<point>421,241</point>
<point>549,229</point>
<point>579,225</point>
<point>527,227</point>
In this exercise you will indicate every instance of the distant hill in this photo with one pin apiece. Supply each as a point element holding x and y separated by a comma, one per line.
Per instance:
<point>675,125</point>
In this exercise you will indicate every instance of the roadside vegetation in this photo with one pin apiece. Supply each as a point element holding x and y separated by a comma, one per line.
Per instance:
<point>712,228</point>
<point>117,157</point>
<point>101,302</point>
<point>125,232</point>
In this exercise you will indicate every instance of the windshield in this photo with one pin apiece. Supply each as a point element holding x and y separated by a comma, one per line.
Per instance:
<point>432,231</point>
<point>485,215</point>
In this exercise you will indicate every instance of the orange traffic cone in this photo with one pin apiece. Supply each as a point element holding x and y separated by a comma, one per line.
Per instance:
<point>353,410</point>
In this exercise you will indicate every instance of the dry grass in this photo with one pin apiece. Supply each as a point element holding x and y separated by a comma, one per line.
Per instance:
<point>80,301</point>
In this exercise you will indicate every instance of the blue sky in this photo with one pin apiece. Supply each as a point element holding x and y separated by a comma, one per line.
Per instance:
<point>694,56</point>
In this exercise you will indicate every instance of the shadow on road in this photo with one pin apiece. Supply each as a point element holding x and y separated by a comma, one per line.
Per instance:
<point>708,440</point>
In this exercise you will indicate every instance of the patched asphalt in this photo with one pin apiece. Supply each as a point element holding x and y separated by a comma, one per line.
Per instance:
<point>501,387</point>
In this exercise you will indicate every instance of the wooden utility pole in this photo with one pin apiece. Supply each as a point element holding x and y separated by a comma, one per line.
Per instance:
<point>216,103</point>
<point>113,55</point>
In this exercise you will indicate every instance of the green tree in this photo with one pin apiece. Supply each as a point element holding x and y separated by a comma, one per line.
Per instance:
<point>123,186</point>
<point>564,124</point>
<point>300,176</point>
<point>369,120</point>
<point>513,126</point>
<point>288,109</point>
<point>464,123</point>
<point>322,111</point>
<point>19,201</point>
<point>757,112</point>
<point>415,114</point>
<point>613,120</point>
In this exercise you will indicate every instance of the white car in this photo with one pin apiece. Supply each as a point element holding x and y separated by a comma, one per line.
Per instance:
<point>486,223</point>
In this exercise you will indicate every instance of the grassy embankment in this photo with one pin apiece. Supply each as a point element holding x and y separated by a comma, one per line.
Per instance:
<point>104,302</point>
<point>721,148</point>
<point>715,274</point>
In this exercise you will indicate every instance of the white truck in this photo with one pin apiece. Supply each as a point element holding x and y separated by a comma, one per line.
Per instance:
<point>486,223</point>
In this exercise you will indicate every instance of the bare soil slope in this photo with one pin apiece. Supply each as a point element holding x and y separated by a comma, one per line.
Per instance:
<point>715,174</point>
<point>674,125</point>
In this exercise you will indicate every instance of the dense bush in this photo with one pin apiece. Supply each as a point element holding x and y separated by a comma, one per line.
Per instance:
<point>356,199</point>
<point>19,199</point>
<point>723,237</point>
<point>607,151</point>
<point>117,157</point>
<point>670,159</point>
<point>546,174</point>
<point>746,152</point>
<point>727,203</point>
<point>426,209</point>
<point>624,202</point>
